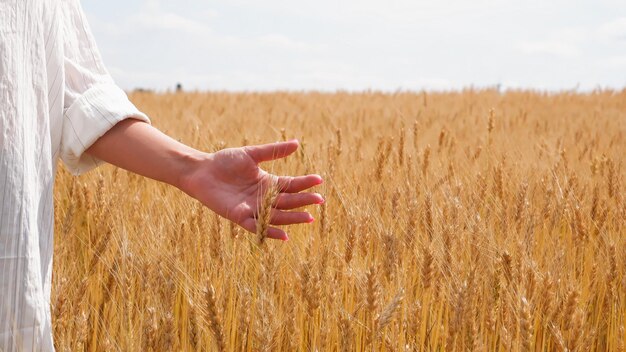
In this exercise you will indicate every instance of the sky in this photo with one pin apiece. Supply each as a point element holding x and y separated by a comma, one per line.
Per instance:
<point>389,45</point>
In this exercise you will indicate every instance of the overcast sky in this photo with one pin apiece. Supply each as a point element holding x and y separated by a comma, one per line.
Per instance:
<point>357,45</point>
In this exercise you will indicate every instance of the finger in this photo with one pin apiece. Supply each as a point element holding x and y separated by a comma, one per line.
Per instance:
<point>280,217</point>
<point>297,200</point>
<point>297,184</point>
<point>250,225</point>
<point>277,234</point>
<point>272,151</point>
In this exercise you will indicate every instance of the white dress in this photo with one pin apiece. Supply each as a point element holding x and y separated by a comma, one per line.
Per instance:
<point>56,99</point>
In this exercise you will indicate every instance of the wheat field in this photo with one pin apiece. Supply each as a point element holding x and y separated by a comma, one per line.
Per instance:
<point>460,221</point>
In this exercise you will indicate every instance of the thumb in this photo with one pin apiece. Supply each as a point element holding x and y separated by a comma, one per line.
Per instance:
<point>271,151</point>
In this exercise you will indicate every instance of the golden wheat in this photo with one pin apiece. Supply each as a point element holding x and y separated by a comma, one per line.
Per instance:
<point>508,234</point>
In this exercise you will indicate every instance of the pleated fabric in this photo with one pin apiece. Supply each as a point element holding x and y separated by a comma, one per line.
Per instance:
<point>56,100</point>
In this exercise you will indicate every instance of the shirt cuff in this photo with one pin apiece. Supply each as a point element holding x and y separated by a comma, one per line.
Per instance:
<point>88,118</point>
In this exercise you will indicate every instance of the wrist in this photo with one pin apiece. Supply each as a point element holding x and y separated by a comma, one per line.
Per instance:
<point>189,163</point>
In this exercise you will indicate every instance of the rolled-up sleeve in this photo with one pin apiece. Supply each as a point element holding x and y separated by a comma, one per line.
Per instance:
<point>92,102</point>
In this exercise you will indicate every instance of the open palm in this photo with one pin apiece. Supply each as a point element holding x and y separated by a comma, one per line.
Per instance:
<point>231,183</point>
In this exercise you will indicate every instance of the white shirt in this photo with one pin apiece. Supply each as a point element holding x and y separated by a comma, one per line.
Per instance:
<point>56,99</point>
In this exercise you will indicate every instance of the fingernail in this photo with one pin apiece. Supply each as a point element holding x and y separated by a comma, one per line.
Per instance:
<point>322,201</point>
<point>311,219</point>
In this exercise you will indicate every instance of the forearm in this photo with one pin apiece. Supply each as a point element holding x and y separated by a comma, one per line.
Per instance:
<point>140,148</point>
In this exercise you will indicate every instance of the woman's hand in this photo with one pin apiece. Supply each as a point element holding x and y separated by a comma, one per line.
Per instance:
<point>231,183</point>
